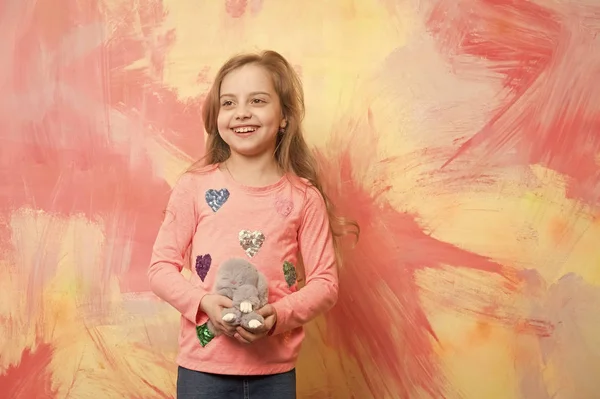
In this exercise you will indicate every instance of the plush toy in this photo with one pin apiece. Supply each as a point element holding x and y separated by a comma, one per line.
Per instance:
<point>240,281</point>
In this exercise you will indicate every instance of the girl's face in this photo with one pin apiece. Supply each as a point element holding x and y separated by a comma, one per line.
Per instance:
<point>250,111</point>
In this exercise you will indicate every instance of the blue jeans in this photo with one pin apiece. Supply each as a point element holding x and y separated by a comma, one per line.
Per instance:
<point>197,385</point>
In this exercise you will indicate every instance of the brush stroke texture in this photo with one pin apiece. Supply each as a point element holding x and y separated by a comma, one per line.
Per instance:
<point>69,153</point>
<point>549,64</point>
<point>384,265</point>
<point>31,377</point>
<point>90,138</point>
<point>572,354</point>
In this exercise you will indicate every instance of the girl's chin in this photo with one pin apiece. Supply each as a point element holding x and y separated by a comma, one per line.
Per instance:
<point>252,151</point>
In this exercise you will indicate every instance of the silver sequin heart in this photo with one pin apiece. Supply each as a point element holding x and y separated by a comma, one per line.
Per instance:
<point>251,241</point>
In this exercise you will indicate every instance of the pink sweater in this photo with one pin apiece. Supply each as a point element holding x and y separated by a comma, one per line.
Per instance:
<point>208,210</point>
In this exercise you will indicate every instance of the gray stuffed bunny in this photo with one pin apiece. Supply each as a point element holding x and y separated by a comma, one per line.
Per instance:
<point>240,281</point>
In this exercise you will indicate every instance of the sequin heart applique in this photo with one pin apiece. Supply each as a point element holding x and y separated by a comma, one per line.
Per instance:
<point>251,241</point>
<point>204,335</point>
<point>289,271</point>
<point>203,265</point>
<point>284,206</point>
<point>216,198</point>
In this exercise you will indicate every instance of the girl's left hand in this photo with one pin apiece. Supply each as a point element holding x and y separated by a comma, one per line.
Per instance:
<point>246,337</point>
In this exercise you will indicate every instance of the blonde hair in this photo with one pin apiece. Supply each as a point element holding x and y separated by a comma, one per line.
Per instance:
<point>292,154</point>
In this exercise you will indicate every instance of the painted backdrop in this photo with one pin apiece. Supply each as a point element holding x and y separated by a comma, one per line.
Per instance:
<point>464,135</point>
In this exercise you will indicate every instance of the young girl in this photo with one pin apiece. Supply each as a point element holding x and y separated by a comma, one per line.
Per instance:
<point>257,196</point>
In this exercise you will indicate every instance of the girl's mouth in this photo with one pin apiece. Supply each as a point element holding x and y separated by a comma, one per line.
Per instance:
<point>245,129</point>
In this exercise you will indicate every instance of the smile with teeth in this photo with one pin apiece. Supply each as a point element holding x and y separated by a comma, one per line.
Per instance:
<point>246,129</point>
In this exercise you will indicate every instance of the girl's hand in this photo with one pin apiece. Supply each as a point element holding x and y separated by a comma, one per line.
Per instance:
<point>246,337</point>
<point>213,305</point>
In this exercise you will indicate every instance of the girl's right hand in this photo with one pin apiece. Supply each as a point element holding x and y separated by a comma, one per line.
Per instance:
<point>213,305</point>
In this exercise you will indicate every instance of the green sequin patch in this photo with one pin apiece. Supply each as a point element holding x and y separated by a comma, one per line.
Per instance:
<point>204,334</point>
<point>289,271</point>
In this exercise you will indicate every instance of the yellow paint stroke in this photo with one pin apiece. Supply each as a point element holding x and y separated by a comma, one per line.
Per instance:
<point>98,345</point>
<point>336,44</point>
<point>110,345</point>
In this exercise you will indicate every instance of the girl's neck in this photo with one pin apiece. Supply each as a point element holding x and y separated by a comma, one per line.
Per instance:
<point>253,172</point>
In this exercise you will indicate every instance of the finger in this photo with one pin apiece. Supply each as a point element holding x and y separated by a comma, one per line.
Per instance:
<point>269,323</point>
<point>228,329</point>
<point>266,311</point>
<point>225,302</point>
<point>225,332</point>
<point>241,339</point>
<point>247,335</point>
<point>231,330</point>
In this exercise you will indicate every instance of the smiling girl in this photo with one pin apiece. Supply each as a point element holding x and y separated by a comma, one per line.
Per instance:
<point>257,196</point>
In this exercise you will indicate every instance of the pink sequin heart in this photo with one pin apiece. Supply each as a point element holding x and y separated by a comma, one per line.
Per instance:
<point>284,206</point>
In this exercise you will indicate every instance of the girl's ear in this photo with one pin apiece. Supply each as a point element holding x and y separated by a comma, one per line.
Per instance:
<point>282,126</point>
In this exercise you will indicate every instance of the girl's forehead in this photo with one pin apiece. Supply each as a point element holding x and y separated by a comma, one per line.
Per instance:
<point>248,77</point>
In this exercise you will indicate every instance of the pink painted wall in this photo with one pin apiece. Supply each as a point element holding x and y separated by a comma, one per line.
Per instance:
<point>464,135</point>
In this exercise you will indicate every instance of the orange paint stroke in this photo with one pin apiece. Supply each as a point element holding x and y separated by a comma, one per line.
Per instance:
<point>30,377</point>
<point>379,318</point>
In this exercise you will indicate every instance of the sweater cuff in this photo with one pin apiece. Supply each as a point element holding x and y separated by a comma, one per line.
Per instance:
<point>193,313</point>
<point>282,317</point>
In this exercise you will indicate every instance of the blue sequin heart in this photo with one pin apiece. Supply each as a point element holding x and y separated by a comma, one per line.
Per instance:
<point>216,198</point>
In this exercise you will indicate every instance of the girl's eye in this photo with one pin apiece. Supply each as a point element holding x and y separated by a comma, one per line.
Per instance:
<point>257,101</point>
<point>226,103</point>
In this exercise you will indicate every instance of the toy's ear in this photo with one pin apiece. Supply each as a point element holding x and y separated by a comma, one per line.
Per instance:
<point>263,284</point>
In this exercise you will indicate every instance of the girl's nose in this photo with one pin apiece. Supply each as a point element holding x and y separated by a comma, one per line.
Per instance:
<point>242,113</point>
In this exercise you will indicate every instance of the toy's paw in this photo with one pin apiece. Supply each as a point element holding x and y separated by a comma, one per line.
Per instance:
<point>254,324</point>
<point>229,317</point>
<point>246,307</point>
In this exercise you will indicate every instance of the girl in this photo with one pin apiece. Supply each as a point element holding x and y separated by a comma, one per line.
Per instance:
<point>257,196</point>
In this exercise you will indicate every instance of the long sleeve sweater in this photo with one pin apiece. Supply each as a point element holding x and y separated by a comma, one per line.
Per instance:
<point>216,218</point>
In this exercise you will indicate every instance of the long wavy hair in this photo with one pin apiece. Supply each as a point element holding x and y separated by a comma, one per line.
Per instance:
<point>292,154</point>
